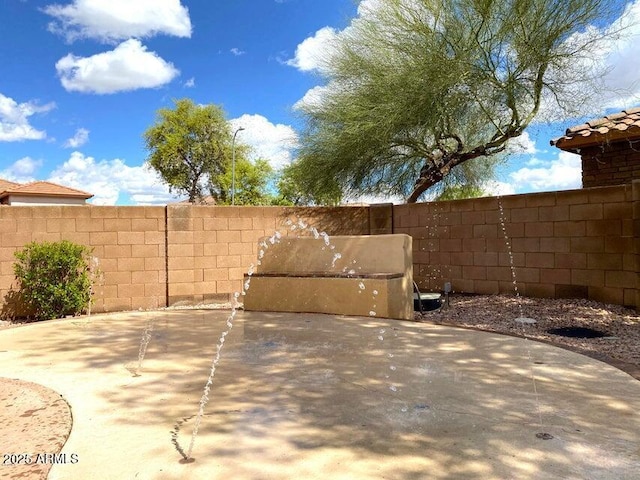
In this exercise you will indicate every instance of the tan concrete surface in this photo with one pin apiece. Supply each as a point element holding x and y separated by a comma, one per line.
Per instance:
<point>326,397</point>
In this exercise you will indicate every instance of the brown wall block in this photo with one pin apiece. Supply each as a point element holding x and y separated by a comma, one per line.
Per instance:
<point>525,245</point>
<point>604,228</point>
<point>586,212</point>
<point>558,213</point>
<point>555,245</point>
<point>570,229</point>
<point>539,229</point>
<point>541,199</point>
<point>539,290</point>
<point>562,242</point>
<point>587,245</point>
<point>540,260</point>
<point>571,260</point>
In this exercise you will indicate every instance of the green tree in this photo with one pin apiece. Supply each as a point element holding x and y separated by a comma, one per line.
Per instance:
<point>190,147</point>
<point>252,182</point>
<point>418,88</point>
<point>296,188</point>
<point>460,192</point>
<point>54,278</point>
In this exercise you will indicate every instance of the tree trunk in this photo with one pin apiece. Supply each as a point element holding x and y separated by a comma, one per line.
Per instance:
<point>432,174</point>
<point>423,184</point>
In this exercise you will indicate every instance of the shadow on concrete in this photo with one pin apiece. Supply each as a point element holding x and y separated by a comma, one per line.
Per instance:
<point>334,397</point>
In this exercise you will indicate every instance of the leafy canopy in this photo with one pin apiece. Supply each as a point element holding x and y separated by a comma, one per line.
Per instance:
<point>252,182</point>
<point>191,147</point>
<point>55,278</point>
<point>293,189</point>
<point>416,88</point>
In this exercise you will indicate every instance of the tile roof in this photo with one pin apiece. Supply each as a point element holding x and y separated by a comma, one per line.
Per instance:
<point>40,189</point>
<point>619,126</point>
<point>7,185</point>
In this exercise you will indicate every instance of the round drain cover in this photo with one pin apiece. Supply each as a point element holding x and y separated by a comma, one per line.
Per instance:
<point>577,332</point>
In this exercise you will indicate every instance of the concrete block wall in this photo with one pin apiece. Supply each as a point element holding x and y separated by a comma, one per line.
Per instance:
<point>152,257</point>
<point>129,243</point>
<point>610,164</point>
<point>211,248</point>
<point>578,243</point>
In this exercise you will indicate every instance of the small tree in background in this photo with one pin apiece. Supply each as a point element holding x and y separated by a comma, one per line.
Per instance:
<point>460,192</point>
<point>252,179</point>
<point>295,187</point>
<point>54,279</point>
<point>188,147</point>
<point>191,145</point>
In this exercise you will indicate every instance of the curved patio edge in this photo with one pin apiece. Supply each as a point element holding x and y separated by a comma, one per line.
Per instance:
<point>36,423</point>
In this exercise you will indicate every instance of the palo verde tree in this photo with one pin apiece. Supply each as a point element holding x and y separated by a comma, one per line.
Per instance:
<point>421,91</point>
<point>190,147</point>
<point>293,189</point>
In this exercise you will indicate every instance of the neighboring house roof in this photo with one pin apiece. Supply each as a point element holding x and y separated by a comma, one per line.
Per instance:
<point>620,126</point>
<point>7,185</point>
<point>40,189</point>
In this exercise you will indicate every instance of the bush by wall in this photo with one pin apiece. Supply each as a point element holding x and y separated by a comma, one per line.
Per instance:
<point>54,278</point>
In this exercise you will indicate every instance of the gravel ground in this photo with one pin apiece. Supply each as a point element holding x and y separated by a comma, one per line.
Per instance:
<point>498,313</point>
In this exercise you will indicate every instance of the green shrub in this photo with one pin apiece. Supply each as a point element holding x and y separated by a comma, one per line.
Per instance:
<point>54,278</point>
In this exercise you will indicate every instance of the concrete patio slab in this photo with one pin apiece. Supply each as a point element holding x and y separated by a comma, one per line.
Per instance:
<point>325,397</point>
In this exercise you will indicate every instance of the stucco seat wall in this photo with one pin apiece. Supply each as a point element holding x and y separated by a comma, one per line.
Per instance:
<point>351,275</point>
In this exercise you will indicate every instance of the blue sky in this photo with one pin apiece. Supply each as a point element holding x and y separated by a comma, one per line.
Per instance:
<point>80,82</point>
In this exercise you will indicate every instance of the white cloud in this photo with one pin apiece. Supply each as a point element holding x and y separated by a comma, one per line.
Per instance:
<point>14,120</point>
<point>237,52</point>
<point>272,142</point>
<point>606,72</point>
<point>311,52</point>
<point>108,179</point>
<point>535,162</point>
<point>80,138</point>
<point>114,20</point>
<point>190,83</point>
<point>21,171</point>
<point>313,97</point>
<point>495,188</point>
<point>564,173</point>
<point>622,80</point>
<point>521,145</point>
<point>128,67</point>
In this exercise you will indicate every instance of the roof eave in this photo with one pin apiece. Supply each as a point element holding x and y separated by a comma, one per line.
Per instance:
<point>575,143</point>
<point>44,194</point>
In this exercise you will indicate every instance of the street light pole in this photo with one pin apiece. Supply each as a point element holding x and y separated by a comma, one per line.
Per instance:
<point>233,166</point>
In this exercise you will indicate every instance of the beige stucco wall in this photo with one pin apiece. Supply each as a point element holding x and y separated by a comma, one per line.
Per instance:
<point>338,255</point>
